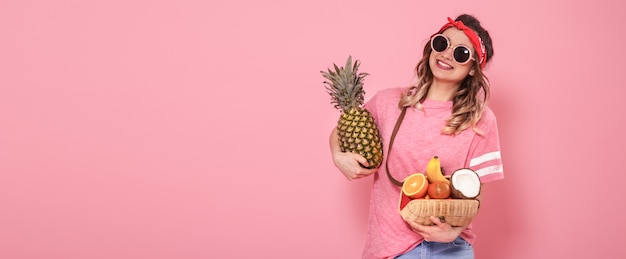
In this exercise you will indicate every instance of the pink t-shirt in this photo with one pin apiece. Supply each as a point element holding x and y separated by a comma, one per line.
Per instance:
<point>418,139</point>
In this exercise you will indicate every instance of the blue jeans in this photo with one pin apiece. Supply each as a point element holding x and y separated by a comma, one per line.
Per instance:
<point>457,249</point>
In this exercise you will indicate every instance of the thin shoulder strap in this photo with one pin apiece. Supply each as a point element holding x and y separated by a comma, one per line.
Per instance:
<point>393,136</point>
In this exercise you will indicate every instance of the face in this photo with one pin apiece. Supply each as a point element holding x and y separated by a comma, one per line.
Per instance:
<point>443,64</point>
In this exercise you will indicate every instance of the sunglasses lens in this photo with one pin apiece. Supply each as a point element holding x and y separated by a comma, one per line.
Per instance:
<point>439,43</point>
<point>462,54</point>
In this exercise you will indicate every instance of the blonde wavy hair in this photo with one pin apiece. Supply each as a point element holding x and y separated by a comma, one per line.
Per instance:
<point>470,100</point>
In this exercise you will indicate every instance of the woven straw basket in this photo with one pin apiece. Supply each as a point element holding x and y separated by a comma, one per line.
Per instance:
<point>456,212</point>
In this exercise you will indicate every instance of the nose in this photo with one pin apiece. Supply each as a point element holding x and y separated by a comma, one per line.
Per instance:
<point>448,53</point>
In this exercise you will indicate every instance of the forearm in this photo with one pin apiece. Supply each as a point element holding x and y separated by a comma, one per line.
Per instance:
<point>348,163</point>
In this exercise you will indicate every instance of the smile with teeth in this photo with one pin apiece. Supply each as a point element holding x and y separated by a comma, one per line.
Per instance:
<point>443,65</point>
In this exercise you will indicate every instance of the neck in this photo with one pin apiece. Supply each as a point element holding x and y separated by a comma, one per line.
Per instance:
<point>442,91</point>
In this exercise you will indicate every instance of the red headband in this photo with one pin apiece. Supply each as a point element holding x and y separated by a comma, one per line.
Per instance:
<point>476,41</point>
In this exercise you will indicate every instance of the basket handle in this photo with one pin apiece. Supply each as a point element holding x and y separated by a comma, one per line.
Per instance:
<point>393,136</point>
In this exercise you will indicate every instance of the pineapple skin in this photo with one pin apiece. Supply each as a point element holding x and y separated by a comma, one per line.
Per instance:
<point>359,134</point>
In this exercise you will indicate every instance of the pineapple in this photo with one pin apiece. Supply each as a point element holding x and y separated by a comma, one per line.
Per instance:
<point>356,128</point>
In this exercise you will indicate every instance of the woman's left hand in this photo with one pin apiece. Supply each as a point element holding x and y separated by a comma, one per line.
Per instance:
<point>440,232</point>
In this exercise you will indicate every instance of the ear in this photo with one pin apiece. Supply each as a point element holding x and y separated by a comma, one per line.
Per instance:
<point>471,72</point>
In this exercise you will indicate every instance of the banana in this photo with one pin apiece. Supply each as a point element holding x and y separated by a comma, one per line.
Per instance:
<point>434,172</point>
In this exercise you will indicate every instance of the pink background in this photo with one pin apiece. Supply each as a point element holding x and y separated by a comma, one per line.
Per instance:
<point>188,129</point>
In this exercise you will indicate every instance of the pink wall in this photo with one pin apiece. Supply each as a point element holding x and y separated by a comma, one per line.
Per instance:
<point>187,129</point>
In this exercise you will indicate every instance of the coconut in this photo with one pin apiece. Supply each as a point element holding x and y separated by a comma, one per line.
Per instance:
<point>464,184</point>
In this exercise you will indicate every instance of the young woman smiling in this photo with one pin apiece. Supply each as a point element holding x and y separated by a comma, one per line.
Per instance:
<point>445,114</point>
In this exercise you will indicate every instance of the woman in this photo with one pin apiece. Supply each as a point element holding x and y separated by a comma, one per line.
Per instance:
<point>447,116</point>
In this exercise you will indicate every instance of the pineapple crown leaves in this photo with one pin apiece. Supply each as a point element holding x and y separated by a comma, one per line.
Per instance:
<point>345,85</point>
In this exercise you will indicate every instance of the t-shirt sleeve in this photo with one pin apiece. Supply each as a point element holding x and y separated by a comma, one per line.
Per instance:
<point>370,106</point>
<point>485,157</point>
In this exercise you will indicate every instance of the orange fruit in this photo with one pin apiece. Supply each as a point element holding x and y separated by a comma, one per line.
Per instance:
<point>415,186</point>
<point>439,190</point>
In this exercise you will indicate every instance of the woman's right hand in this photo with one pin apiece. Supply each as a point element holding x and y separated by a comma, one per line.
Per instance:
<point>348,163</point>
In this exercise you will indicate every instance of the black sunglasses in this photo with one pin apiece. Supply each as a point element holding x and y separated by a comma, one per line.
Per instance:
<point>461,53</point>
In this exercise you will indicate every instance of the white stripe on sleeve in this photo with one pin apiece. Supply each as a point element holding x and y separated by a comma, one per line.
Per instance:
<point>484,158</point>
